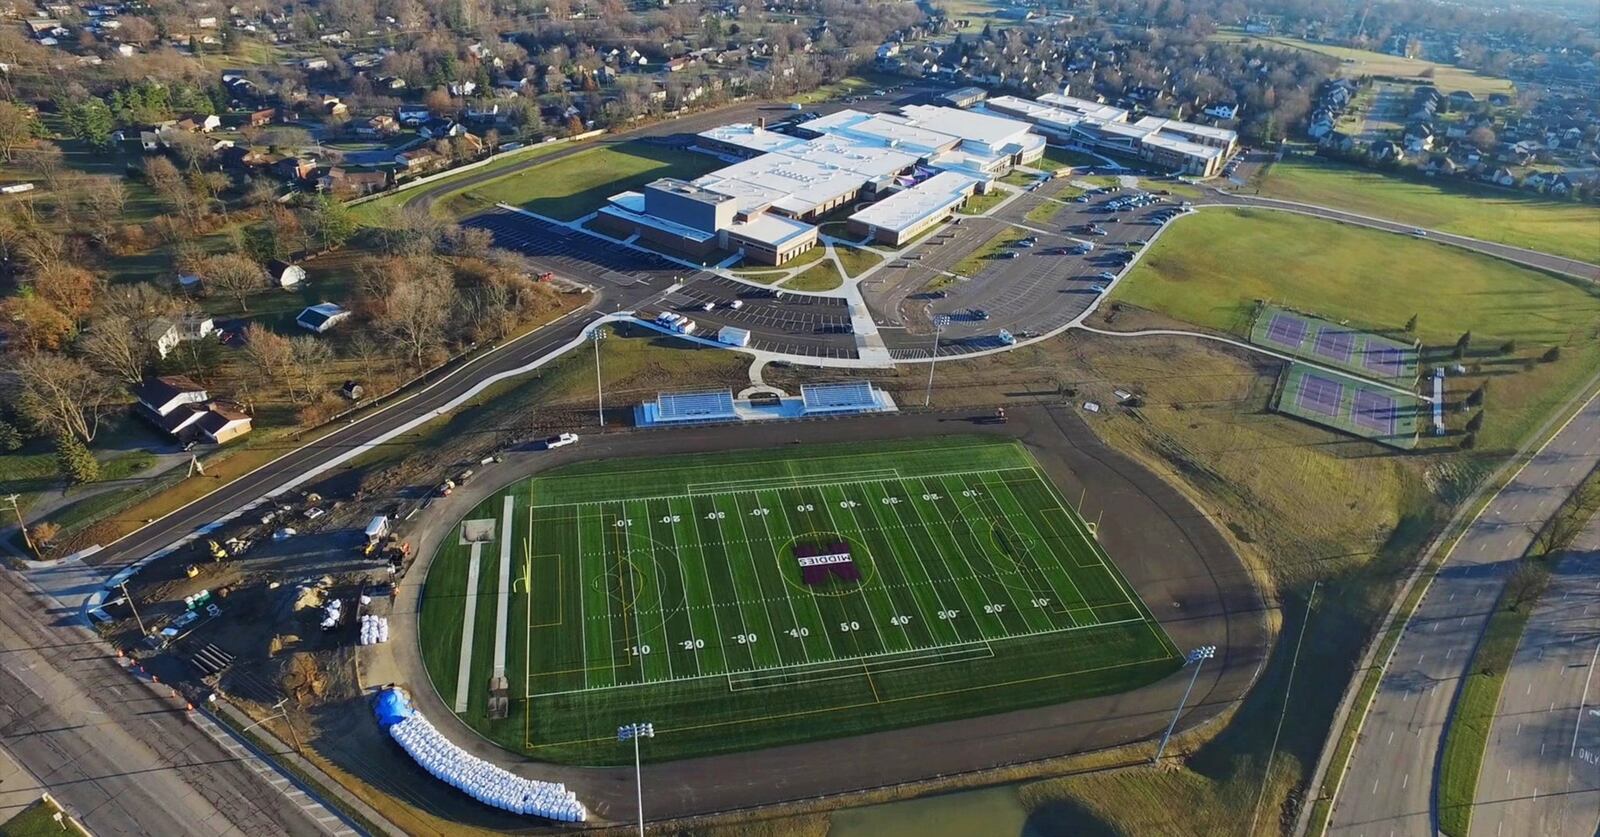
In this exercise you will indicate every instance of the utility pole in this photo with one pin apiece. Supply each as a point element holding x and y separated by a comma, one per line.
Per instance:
<point>1198,658</point>
<point>634,732</point>
<point>22,525</point>
<point>599,389</point>
<point>129,598</point>
<point>939,322</point>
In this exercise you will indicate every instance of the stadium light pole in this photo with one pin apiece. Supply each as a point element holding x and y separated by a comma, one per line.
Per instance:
<point>1198,657</point>
<point>634,732</point>
<point>599,390</point>
<point>939,322</point>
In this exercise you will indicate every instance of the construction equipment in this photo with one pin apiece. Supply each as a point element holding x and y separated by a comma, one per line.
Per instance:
<point>218,553</point>
<point>1000,415</point>
<point>191,571</point>
<point>546,276</point>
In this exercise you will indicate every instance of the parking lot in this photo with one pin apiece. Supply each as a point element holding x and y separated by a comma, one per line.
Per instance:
<point>1046,284</point>
<point>585,257</point>
<point>801,324</point>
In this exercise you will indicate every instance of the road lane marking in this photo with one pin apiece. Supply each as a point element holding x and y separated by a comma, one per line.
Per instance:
<point>1584,699</point>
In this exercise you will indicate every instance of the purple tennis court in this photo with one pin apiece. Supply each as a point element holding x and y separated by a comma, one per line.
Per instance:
<point>1286,329</point>
<point>1335,344</point>
<point>1390,363</point>
<point>1320,395</point>
<point>1374,411</point>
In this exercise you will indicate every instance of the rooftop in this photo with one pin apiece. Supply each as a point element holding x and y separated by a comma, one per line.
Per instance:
<point>746,135</point>
<point>980,128</point>
<point>907,208</point>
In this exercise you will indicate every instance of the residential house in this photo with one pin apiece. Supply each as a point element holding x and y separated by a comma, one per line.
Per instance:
<point>419,161</point>
<point>167,334</point>
<point>1462,99</point>
<point>1418,138</point>
<point>412,115</point>
<point>261,118</point>
<point>440,128</point>
<point>220,425</point>
<point>321,317</point>
<point>171,402</point>
<point>1386,150</point>
<point>314,63</point>
<point>1499,176</point>
<point>1222,110</point>
<point>295,168</point>
<point>343,182</point>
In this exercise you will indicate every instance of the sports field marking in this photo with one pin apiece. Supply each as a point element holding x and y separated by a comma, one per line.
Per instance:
<point>788,481</point>
<point>808,485</point>
<point>841,669</point>
<point>464,663</point>
<point>502,610</point>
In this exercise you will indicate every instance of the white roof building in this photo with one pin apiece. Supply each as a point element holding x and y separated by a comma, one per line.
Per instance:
<point>912,208</point>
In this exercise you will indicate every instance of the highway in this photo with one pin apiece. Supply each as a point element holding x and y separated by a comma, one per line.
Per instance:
<point>123,759</point>
<point>1541,773</point>
<point>1387,789</point>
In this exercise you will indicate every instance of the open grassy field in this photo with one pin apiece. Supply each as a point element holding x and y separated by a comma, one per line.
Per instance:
<point>1521,219</point>
<point>1211,267</point>
<point>958,573</point>
<point>38,820</point>
<point>446,202</point>
<point>979,204</point>
<point>848,86</point>
<point>823,277</point>
<point>574,186</point>
<point>978,259</point>
<point>1361,62</point>
<point>856,260</point>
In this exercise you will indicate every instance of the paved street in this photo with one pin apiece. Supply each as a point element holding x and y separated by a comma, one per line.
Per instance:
<point>1388,787</point>
<point>120,757</point>
<point>1541,773</point>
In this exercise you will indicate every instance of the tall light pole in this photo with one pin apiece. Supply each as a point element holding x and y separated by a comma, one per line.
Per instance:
<point>1198,658</point>
<point>599,391</point>
<point>634,732</point>
<point>939,322</point>
<point>22,525</point>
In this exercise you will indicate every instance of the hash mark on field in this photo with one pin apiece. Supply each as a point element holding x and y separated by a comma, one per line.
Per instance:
<point>979,471</point>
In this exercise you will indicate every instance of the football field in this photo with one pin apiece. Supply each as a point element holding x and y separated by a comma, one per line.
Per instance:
<point>748,599</point>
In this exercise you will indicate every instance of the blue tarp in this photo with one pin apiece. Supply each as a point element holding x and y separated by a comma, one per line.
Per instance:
<point>392,707</point>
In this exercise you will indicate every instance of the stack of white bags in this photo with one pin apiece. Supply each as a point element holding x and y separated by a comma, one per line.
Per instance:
<point>481,780</point>
<point>332,614</point>
<point>374,629</point>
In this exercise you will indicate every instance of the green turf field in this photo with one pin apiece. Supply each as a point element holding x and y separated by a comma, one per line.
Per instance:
<point>668,591</point>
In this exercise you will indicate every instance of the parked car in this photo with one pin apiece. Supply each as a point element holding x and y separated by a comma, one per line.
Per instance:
<point>560,440</point>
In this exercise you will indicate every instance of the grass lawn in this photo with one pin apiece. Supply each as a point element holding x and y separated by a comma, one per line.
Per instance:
<point>574,186</point>
<point>372,211</point>
<point>691,603</point>
<point>1046,212</point>
<point>1065,158</point>
<point>856,260</point>
<point>1017,177</point>
<point>37,820</point>
<point>979,259</point>
<point>755,271</point>
<point>823,277</point>
<point>1510,217</point>
<point>1360,62</point>
<point>1211,267</point>
<point>979,204</point>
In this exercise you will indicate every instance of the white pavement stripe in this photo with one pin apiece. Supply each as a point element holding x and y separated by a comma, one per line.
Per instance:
<point>464,663</point>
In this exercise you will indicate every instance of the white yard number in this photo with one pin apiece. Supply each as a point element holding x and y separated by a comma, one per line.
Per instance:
<point>745,639</point>
<point>805,507</point>
<point>638,650</point>
<point>759,512</point>
<point>847,627</point>
<point>993,608</point>
<point>901,621</point>
<point>847,504</point>
<point>931,497</point>
<point>671,518</point>
<point>797,633</point>
<point>693,644</point>
<point>623,522</point>
<point>890,501</point>
<point>715,515</point>
<point>1041,602</point>
<point>971,492</point>
<point>947,615</point>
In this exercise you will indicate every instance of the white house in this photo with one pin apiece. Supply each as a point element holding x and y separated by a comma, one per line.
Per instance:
<point>321,317</point>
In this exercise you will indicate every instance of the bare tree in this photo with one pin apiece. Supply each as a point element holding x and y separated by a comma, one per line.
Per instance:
<point>235,275</point>
<point>16,129</point>
<point>309,360</point>
<point>118,347</point>
<point>63,394</point>
<point>416,309</point>
<point>105,199</point>
<point>271,354</point>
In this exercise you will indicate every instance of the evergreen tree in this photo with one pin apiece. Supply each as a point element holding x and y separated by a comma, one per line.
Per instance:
<point>76,460</point>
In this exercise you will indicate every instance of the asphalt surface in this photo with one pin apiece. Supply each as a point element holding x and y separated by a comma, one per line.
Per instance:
<point>1388,786</point>
<point>1040,289</point>
<point>1169,551</point>
<point>1541,772</point>
<point>778,321</point>
<point>118,754</point>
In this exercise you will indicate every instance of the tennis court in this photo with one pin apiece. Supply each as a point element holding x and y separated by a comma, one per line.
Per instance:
<point>1350,406</point>
<point>1335,344</point>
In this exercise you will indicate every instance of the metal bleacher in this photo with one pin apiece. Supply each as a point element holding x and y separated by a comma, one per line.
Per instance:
<point>703,405</point>
<point>842,397</point>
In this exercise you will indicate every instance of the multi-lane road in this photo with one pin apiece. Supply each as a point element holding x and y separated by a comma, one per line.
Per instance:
<point>1387,790</point>
<point>1541,773</point>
